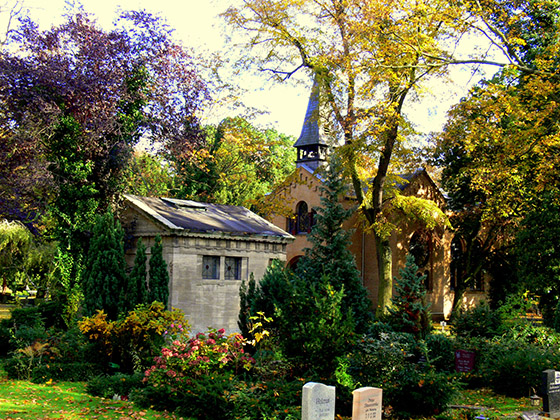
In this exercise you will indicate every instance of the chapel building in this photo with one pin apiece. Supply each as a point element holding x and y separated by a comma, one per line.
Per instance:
<point>436,253</point>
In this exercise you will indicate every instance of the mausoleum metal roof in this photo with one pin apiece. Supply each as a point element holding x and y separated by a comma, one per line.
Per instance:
<point>196,217</point>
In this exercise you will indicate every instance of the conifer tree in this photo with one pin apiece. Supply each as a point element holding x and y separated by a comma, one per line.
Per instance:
<point>104,272</point>
<point>137,292</point>
<point>409,312</point>
<point>329,255</point>
<point>159,276</point>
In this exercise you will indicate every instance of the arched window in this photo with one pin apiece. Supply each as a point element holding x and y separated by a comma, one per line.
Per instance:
<point>292,264</point>
<point>457,266</point>
<point>302,217</point>
<point>420,249</point>
<point>312,219</point>
<point>460,263</point>
<point>478,283</point>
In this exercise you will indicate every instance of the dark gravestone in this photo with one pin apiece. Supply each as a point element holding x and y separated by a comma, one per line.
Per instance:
<point>551,392</point>
<point>464,360</point>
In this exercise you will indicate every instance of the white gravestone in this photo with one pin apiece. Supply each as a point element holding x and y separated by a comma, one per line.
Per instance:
<point>367,403</point>
<point>317,401</point>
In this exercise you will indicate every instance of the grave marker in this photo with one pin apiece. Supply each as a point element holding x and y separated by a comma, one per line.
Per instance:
<point>464,360</point>
<point>317,401</point>
<point>367,403</point>
<point>551,392</point>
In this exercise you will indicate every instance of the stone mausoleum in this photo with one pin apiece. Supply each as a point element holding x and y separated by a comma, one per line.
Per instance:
<point>209,248</point>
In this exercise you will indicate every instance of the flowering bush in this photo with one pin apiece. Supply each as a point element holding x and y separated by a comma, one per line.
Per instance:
<point>201,355</point>
<point>133,341</point>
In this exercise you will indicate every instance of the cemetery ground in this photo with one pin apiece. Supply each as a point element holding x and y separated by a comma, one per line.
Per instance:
<point>21,399</point>
<point>64,400</point>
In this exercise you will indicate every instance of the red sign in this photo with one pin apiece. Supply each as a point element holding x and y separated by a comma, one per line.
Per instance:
<point>464,360</point>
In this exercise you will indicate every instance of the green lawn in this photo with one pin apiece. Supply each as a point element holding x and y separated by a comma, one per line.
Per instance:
<point>64,400</point>
<point>69,400</point>
<point>488,404</point>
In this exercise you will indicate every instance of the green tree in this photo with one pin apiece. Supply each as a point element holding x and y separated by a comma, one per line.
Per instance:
<point>159,276</point>
<point>238,164</point>
<point>329,255</point>
<point>104,280</point>
<point>370,59</point>
<point>137,292</point>
<point>15,242</point>
<point>310,321</point>
<point>314,329</point>
<point>409,312</point>
<point>149,176</point>
<point>499,150</point>
<point>538,253</point>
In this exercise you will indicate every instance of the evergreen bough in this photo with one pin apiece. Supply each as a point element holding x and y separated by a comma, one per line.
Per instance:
<point>159,276</point>
<point>329,255</point>
<point>409,312</point>
<point>137,292</point>
<point>104,273</point>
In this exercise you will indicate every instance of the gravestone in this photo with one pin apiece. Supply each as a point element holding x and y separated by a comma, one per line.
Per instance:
<point>367,404</point>
<point>317,401</point>
<point>464,360</point>
<point>551,392</point>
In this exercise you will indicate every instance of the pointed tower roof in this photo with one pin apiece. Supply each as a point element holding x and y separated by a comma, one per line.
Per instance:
<point>311,134</point>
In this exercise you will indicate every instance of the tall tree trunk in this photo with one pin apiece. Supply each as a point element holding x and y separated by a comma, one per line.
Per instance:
<point>385,266</point>
<point>459,292</point>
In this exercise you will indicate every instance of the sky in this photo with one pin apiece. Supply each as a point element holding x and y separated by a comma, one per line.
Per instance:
<point>197,25</point>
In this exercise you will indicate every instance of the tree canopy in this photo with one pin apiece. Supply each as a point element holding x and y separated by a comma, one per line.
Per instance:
<point>370,59</point>
<point>78,98</point>
<point>500,149</point>
<point>237,163</point>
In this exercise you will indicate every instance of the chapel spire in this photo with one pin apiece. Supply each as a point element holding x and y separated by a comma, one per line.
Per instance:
<point>312,145</point>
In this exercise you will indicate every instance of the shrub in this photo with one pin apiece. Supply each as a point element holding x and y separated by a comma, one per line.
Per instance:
<point>441,352</point>
<point>533,334</point>
<point>119,384</point>
<point>60,355</point>
<point>264,297</point>
<point>132,342</point>
<point>64,371</point>
<point>478,321</point>
<point>409,312</point>
<point>5,337</point>
<point>514,368</point>
<point>197,377</point>
<point>392,363</point>
<point>25,360</point>
<point>202,355</point>
<point>416,392</point>
<point>313,328</point>
<point>373,360</point>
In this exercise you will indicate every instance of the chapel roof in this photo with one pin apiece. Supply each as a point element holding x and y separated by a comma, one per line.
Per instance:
<point>194,217</point>
<point>310,131</point>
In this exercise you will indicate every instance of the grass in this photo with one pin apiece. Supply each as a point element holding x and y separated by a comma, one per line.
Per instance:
<point>68,401</point>
<point>491,405</point>
<point>64,400</point>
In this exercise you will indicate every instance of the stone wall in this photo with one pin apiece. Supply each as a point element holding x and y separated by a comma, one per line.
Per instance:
<point>205,302</point>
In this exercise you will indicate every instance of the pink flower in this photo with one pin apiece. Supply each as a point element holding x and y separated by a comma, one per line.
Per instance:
<point>211,341</point>
<point>221,331</point>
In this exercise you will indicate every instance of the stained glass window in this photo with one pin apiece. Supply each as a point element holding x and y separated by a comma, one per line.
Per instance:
<point>210,267</point>
<point>233,268</point>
